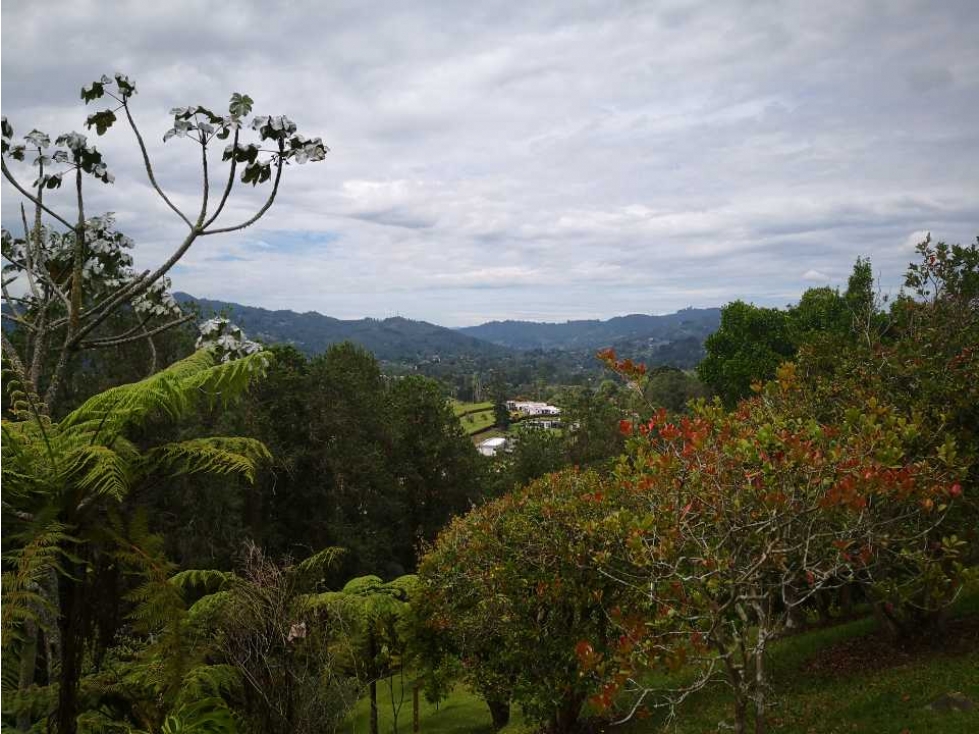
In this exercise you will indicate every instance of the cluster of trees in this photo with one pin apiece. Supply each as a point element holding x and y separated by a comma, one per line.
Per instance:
<point>751,341</point>
<point>850,472</point>
<point>370,463</point>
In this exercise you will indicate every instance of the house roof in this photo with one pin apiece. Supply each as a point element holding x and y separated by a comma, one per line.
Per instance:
<point>493,442</point>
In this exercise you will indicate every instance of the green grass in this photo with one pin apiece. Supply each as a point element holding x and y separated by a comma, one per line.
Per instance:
<point>461,713</point>
<point>892,699</point>
<point>474,417</point>
<point>834,700</point>
<point>830,700</point>
<point>473,423</point>
<point>461,409</point>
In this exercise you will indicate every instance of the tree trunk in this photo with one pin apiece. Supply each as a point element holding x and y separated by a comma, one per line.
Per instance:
<point>794,618</point>
<point>499,711</point>
<point>71,652</point>
<point>28,662</point>
<point>763,613</point>
<point>414,708</point>
<point>740,714</point>
<point>760,687</point>
<point>372,656</point>
<point>567,714</point>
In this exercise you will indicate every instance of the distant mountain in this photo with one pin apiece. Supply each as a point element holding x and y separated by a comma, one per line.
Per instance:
<point>675,339</point>
<point>391,340</point>
<point>638,331</point>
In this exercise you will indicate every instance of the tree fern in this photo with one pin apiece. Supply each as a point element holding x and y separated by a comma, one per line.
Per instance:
<point>61,480</point>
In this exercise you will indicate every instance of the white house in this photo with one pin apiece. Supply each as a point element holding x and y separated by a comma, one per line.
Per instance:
<point>491,446</point>
<point>531,407</point>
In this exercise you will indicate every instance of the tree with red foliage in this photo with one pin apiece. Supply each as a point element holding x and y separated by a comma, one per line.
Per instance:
<point>750,513</point>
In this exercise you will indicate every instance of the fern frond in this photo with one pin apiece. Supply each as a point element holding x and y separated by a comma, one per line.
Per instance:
<point>30,566</point>
<point>334,601</point>
<point>173,392</point>
<point>98,471</point>
<point>204,580</point>
<point>206,611</point>
<point>311,571</point>
<point>207,716</point>
<point>214,455</point>
<point>363,585</point>
<point>206,681</point>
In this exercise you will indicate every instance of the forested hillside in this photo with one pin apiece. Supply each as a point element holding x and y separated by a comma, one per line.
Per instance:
<point>675,340</point>
<point>393,339</point>
<point>636,329</point>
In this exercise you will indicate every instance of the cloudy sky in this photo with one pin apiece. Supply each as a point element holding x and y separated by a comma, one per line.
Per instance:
<point>537,160</point>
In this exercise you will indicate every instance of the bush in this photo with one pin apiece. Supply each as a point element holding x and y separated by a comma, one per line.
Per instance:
<point>513,591</point>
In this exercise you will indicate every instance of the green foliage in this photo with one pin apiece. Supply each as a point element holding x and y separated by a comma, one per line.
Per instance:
<point>748,346</point>
<point>65,482</point>
<point>857,466</point>
<point>367,463</point>
<point>923,365</point>
<point>671,388</point>
<point>821,310</point>
<point>750,513</point>
<point>511,589</point>
<point>289,651</point>
<point>592,419</point>
<point>498,391</point>
<point>536,452</point>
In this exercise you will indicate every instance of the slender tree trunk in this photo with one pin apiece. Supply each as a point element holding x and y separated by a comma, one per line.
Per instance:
<point>499,712</point>
<point>28,661</point>
<point>567,714</point>
<point>763,613</point>
<point>52,632</point>
<point>760,686</point>
<point>71,654</point>
<point>396,707</point>
<point>414,708</point>
<point>793,612</point>
<point>372,655</point>
<point>740,713</point>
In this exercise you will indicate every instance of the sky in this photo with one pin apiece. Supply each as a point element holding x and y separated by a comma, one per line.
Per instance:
<point>531,160</point>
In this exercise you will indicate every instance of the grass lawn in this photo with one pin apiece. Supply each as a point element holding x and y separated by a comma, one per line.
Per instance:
<point>461,713</point>
<point>460,408</point>
<point>476,422</point>
<point>835,680</point>
<point>846,679</point>
<point>474,417</point>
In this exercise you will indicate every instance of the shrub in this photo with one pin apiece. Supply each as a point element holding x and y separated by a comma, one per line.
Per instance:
<point>512,590</point>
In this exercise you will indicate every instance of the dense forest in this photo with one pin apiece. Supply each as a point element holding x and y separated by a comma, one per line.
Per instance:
<point>525,354</point>
<point>205,534</point>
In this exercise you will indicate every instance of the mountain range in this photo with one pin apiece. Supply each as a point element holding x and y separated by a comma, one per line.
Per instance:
<point>669,339</point>
<point>595,334</point>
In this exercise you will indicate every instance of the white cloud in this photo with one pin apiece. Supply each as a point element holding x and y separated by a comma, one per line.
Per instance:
<point>816,276</point>
<point>560,159</point>
<point>913,240</point>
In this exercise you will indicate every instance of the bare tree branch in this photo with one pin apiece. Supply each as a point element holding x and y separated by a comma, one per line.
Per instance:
<point>117,341</point>
<point>268,203</point>
<point>149,167</point>
<point>228,186</point>
<point>29,196</point>
<point>207,187</point>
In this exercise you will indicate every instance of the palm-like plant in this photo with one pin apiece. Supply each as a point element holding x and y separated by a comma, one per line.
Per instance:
<point>62,481</point>
<point>380,643</point>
